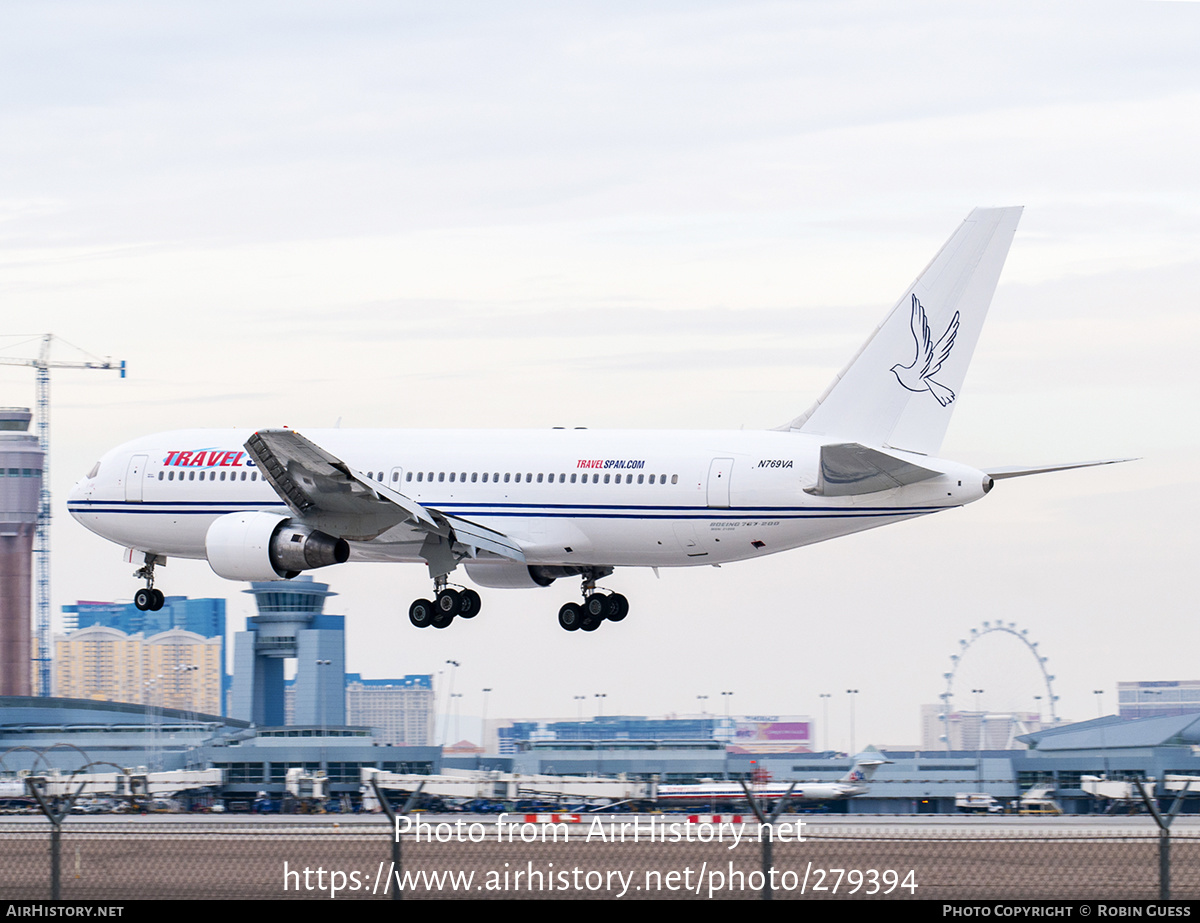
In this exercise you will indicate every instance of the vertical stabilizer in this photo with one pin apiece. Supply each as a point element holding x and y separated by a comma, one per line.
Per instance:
<point>901,387</point>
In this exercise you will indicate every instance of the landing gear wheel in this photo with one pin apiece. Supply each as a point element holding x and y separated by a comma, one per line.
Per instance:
<point>144,598</point>
<point>157,602</point>
<point>420,613</point>
<point>590,623</point>
<point>469,604</point>
<point>616,607</point>
<point>448,602</point>
<point>594,607</point>
<point>570,616</point>
<point>442,619</point>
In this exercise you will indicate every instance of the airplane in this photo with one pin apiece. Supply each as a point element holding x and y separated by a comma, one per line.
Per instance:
<point>852,784</point>
<point>526,508</point>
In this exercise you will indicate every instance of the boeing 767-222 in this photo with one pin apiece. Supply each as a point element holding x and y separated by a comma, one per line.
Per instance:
<point>523,509</point>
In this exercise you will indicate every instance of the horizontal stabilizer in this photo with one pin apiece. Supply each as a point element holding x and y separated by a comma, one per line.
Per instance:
<point>1016,471</point>
<point>849,468</point>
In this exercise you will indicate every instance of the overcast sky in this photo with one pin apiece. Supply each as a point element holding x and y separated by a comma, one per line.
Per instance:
<point>652,215</point>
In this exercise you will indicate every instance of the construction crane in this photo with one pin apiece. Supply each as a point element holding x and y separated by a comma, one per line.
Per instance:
<point>41,542</point>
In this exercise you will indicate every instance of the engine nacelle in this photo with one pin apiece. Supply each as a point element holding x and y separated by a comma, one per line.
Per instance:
<point>257,545</point>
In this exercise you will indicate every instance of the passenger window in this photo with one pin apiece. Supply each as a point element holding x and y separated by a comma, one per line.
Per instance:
<point>191,475</point>
<point>222,475</point>
<point>539,478</point>
<point>562,478</point>
<point>441,476</point>
<point>528,478</point>
<point>160,475</point>
<point>641,478</point>
<point>573,478</point>
<point>451,477</point>
<point>595,479</point>
<point>420,476</point>
<point>505,477</point>
<point>606,478</point>
<point>629,479</point>
<point>674,478</point>
<point>474,477</point>
<point>408,477</point>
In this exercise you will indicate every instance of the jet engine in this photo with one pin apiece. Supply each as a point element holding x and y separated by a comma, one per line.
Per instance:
<point>266,546</point>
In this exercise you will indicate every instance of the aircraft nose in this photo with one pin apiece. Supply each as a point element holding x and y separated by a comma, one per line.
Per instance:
<point>82,489</point>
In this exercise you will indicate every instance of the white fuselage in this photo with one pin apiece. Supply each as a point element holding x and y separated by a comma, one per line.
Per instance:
<point>569,497</point>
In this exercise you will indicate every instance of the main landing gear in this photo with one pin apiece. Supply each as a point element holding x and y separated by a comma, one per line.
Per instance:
<point>442,609</point>
<point>148,598</point>
<point>597,606</point>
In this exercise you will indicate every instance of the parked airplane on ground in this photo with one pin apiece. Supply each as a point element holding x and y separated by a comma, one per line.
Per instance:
<point>855,782</point>
<point>522,509</point>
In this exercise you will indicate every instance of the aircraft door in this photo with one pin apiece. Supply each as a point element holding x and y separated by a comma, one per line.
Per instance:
<point>135,474</point>
<point>718,483</point>
<point>396,479</point>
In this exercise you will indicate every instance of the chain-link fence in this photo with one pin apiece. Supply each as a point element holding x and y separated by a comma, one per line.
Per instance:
<point>480,856</point>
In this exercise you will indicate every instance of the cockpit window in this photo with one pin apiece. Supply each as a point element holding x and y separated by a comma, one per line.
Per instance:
<point>95,470</point>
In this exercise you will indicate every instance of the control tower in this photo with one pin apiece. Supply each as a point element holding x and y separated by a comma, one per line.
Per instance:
<point>290,624</point>
<point>20,488</point>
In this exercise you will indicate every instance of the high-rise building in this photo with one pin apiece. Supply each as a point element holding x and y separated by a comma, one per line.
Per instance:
<point>203,618</point>
<point>20,488</point>
<point>171,669</point>
<point>400,710</point>
<point>1155,698</point>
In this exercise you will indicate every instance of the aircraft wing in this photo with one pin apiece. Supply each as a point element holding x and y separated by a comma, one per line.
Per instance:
<point>326,493</point>
<point>849,468</point>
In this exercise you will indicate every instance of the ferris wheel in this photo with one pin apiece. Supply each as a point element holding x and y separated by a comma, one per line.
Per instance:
<point>965,644</point>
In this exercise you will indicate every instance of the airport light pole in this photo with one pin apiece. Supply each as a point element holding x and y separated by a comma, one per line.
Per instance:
<point>825,697</point>
<point>483,723</point>
<point>853,693</point>
<point>729,732</point>
<point>702,699</point>
<point>579,699</point>
<point>455,705</point>
<point>978,720</point>
<point>600,704</point>
<point>454,665</point>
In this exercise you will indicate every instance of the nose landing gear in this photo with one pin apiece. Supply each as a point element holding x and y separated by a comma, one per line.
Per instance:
<point>148,598</point>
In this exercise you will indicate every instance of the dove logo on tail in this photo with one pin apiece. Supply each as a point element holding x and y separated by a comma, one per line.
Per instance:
<point>930,356</point>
